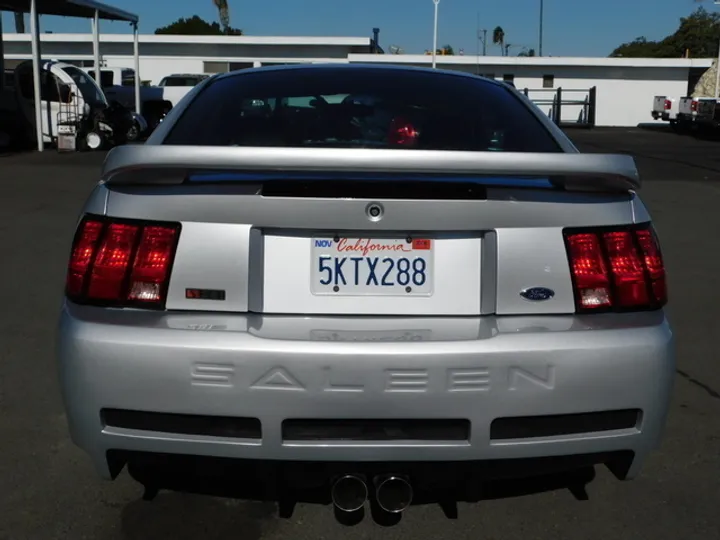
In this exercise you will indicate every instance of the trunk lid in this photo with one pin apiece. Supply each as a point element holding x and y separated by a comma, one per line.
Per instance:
<point>370,232</point>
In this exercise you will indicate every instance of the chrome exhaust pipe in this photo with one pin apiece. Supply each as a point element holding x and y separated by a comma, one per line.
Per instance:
<point>393,493</point>
<point>349,493</point>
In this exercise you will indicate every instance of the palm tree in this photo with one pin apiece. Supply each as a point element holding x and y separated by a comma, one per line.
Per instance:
<point>224,13</point>
<point>499,38</point>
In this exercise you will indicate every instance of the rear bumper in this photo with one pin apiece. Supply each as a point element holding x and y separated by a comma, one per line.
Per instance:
<point>665,116</point>
<point>453,389</point>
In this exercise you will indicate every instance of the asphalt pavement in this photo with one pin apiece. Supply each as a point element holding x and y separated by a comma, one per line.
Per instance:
<point>49,490</point>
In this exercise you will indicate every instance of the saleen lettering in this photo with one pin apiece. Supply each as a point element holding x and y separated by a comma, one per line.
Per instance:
<point>471,379</point>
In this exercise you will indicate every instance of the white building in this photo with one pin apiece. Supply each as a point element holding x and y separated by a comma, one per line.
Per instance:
<point>624,87</point>
<point>162,55</point>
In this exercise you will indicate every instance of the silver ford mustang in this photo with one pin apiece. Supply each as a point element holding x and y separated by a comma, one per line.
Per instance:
<point>371,286</point>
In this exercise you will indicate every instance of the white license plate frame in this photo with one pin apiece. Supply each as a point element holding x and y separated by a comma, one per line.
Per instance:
<point>371,266</point>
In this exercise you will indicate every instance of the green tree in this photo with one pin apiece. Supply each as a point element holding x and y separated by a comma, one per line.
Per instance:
<point>697,36</point>
<point>447,50</point>
<point>638,48</point>
<point>195,26</point>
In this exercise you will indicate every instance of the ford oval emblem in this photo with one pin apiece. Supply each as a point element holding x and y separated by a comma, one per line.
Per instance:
<point>537,294</point>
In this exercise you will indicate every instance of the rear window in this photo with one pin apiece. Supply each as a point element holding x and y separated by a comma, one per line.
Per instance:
<point>175,80</point>
<point>107,78</point>
<point>363,107</point>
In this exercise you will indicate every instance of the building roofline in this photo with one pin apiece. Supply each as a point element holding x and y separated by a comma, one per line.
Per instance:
<point>166,38</point>
<point>533,61</point>
<point>240,59</point>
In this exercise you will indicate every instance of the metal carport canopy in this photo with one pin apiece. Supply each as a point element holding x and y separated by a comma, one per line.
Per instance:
<point>70,8</point>
<point>89,9</point>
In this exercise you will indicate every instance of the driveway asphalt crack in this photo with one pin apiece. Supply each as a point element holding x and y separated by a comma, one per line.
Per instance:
<point>708,389</point>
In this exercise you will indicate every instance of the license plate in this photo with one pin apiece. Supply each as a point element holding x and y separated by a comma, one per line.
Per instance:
<point>372,266</point>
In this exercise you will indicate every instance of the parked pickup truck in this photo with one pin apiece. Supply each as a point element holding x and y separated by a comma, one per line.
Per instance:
<point>697,112</point>
<point>665,108</point>
<point>156,101</point>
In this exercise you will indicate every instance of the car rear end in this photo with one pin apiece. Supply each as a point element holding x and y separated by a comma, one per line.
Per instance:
<point>696,110</point>
<point>375,295</point>
<point>658,109</point>
<point>665,108</point>
<point>706,113</point>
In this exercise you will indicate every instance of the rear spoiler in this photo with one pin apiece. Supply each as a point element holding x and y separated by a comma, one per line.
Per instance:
<point>160,164</point>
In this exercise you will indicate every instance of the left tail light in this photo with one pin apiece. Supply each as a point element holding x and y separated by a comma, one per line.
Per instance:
<point>121,263</point>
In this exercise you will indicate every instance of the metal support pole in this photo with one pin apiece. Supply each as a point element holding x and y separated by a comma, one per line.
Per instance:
<point>477,58</point>
<point>717,75</point>
<point>2,57</point>
<point>717,66</point>
<point>96,45</point>
<point>542,16</point>
<point>35,42</point>
<point>136,57</point>
<point>435,32</point>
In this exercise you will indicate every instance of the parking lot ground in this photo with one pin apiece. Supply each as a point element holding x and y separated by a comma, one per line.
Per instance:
<point>49,490</point>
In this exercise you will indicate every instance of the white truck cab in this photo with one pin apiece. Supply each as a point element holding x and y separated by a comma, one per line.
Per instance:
<point>69,99</point>
<point>75,112</point>
<point>155,101</point>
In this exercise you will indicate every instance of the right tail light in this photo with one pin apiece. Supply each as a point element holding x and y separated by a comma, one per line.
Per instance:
<point>618,269</point>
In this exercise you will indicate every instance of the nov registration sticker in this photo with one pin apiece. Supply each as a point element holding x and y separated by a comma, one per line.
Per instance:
<point>372,266</point>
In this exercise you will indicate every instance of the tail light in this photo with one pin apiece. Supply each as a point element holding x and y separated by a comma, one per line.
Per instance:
<point>402,133</point>
<point>618,269</point>
<point>121,263</point>
<point>668,104</point>
<point>694,106</point>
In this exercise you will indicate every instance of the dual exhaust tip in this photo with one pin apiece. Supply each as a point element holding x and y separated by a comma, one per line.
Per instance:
<point>392,493</point>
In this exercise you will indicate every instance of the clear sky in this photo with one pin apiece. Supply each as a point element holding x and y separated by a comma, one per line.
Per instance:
<point>572,27</point>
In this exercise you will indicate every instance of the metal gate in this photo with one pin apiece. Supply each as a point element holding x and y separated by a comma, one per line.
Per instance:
<point>564,102</point>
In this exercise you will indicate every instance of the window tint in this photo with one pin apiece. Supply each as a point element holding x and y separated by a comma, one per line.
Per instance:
<point>176,80</point>
<point>25,81</point>
<point>361,107</point>
<point>49,87</point>
<point>107,78</point>
<point>86,84</point>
